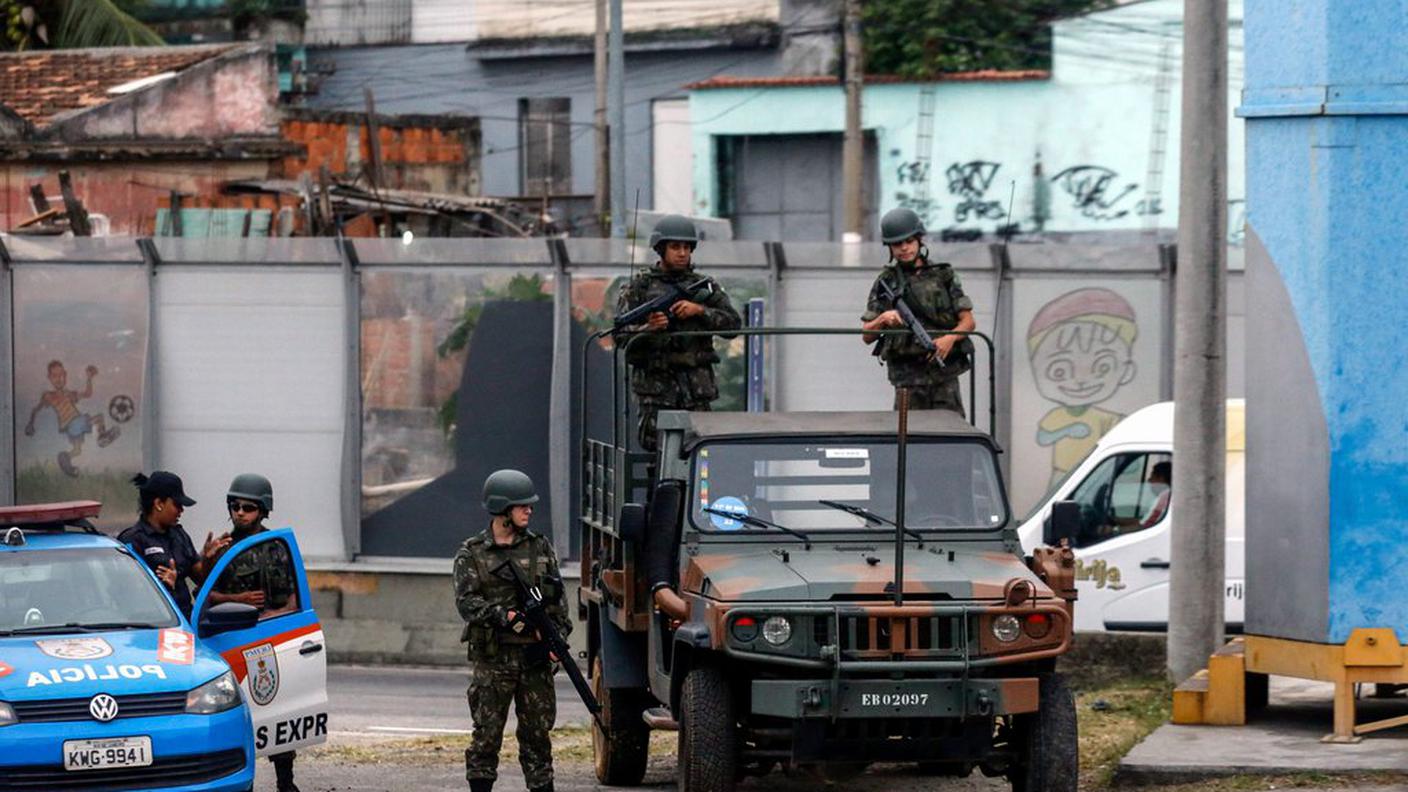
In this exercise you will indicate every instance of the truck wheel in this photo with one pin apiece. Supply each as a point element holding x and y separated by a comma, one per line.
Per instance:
<point>621,752</point>
<point>708,759</point>
<point>1050,757</point>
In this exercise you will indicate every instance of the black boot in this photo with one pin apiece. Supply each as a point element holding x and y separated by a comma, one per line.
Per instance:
<point>283,772</point>
<point>544,788</point>
<point>481,785</point>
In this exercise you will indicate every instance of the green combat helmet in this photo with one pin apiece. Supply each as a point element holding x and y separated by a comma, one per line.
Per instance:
<point>900,224</point>
<point>505,488</point>
<point>673,228</point>
<point>254,487</point>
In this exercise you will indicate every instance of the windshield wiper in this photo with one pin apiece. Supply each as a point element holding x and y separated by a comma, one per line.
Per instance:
<point>868,515</point>
<point>757,522</point>
<point>40,629</point>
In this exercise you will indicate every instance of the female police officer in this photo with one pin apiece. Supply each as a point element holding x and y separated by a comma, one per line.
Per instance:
<point>158,538</point>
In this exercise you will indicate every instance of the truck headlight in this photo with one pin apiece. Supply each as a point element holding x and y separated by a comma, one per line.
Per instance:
<point>219,694</point>
<point>7,714</point>
<point>777,630</point>
<point>1006,628</point>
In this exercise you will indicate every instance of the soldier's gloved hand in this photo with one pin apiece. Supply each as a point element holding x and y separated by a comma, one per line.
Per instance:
<point>515,621</point>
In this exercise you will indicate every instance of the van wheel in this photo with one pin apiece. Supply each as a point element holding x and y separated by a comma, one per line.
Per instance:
<point>620,753</point>
<point>708,757</point>
<point>1049,755</point>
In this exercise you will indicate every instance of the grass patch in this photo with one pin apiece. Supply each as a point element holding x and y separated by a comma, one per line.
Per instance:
<point>1113,719</point>
<point>45,483</point>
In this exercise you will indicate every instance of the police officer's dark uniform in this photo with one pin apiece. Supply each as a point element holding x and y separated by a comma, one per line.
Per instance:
<point>159,547</point>
<point>265,568</point>
<point>674,373</point>
<point>934,292</point>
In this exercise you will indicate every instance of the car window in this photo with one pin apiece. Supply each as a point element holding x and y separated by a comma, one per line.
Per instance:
<point>264,576</point>
<point>1123,494</point>
<point>80,586</point>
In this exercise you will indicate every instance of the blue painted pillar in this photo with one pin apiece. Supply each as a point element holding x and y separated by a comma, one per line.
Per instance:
<point>1326,109</point>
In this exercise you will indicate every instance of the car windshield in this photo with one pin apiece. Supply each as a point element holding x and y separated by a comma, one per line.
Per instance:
<point>950,485</point>
<point>77,589</point>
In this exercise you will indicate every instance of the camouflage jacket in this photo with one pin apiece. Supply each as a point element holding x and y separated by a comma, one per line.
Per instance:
<point>655,360</point>
<point>266,567</point>
<point>484,598</point>
<point>935,293</point>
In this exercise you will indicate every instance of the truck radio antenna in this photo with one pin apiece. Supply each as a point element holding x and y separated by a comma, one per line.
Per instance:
<point>902,443</point>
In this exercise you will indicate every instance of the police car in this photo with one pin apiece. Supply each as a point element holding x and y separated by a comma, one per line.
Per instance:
<point>105,685</point>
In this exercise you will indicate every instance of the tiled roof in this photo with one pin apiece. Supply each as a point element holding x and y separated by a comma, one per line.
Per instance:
<point>987,75</point>
<point>38,85</point>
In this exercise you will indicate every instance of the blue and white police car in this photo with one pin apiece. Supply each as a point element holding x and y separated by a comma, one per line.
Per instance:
<point>105,685</point>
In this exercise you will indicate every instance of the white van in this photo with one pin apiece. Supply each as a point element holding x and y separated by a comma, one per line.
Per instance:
<point>1122,549</point>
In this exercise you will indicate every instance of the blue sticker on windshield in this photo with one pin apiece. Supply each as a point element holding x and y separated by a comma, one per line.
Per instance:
<point>731,505</point>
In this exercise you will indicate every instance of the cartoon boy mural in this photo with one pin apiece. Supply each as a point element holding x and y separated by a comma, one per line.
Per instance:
<point>1081,346</point>
<point>73,423</point>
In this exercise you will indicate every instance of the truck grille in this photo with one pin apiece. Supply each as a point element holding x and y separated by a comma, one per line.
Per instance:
<point>76,709</point>
<point>872,637</point>
<point>164,772</point>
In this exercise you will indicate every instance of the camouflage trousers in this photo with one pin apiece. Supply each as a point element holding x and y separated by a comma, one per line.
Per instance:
<point>649,408</point>
<point>944,394</point>
<point>493,686</point>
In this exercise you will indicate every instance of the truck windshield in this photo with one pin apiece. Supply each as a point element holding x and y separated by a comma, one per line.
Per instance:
<point>950,485</point>
<point>76,589</point>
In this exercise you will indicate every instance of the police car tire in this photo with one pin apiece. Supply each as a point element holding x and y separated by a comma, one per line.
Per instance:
<point>708,758</point>
<point>1051,755</point>
<point>620,754</point>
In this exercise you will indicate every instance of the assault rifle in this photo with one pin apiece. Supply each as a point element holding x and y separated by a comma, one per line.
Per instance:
<point>662,304</point>
<point>921,334</point>
<point>535,613</point>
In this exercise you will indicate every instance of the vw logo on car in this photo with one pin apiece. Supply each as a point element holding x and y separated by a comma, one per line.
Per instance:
<point>103,708</point>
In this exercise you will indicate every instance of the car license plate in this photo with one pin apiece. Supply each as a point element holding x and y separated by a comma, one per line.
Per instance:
<point>111,752</point>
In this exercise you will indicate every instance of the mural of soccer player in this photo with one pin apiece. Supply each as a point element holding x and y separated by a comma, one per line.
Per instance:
<point>74,424</point>
<point>1081,347</point>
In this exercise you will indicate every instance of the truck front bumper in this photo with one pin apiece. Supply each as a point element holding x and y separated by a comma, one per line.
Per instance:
<point>883,698</point>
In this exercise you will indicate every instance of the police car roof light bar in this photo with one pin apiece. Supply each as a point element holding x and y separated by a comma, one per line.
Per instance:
<point>51,516</point>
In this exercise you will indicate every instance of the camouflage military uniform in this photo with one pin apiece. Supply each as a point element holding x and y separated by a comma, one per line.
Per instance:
<point>674,373</point>
<point>505,667</point>
<point>266,567</point>
<point>935,294</point>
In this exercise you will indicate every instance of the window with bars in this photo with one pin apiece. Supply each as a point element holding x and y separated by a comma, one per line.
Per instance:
<point>545,146</point>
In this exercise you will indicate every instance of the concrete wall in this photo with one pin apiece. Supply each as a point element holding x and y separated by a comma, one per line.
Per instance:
<point>1088,129</point>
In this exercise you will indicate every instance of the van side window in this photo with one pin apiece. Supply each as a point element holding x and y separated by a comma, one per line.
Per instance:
<point>1123,494</point>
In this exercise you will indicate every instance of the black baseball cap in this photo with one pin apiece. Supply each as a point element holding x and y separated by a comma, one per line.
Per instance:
<point>165,484</point>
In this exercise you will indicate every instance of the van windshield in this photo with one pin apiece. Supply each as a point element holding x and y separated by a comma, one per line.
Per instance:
<point>949,485</point>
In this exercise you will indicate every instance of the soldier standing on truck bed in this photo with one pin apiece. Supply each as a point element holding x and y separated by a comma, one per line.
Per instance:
<point>508,662</point>
<point>935,295</point>
<point>675,373</point>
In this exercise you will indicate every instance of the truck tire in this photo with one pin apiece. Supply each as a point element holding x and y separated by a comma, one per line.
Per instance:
<point>620,753</point>
<point>1050,752</point>
<point>708,758</point>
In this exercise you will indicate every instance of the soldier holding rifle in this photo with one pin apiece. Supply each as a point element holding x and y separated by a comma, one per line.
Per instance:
<point>510,660</point>
<point>928,299</point>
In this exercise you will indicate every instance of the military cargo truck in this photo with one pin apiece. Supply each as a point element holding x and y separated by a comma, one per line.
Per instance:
<point>741,586</point>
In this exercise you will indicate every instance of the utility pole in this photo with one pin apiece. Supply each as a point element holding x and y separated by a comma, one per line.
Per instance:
<point>616,98</point>
<point>1198,572</point>
<point>853,146</point>
<point>602,203</point>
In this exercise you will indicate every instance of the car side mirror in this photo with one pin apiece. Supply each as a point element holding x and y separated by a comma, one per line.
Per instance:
<point>228,617</point>
<point>1064,523</point>
<point>631,525</point>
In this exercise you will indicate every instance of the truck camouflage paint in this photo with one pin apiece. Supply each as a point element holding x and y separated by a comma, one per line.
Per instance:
<point>766,648</point>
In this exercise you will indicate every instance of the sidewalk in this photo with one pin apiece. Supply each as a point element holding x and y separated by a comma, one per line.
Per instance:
<point>1284,739</point>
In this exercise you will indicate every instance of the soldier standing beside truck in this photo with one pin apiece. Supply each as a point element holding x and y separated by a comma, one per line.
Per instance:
<point>508,663</point>
<point>934,293</point>
<point>674,373</point>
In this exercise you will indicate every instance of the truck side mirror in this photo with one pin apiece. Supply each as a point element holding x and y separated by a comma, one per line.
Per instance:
<point>631,525</point>
<point>1064,523</point>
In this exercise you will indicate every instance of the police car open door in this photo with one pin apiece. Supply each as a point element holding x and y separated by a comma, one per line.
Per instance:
<point>281,662</point>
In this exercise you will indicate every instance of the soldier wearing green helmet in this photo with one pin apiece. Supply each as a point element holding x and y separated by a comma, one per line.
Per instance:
<point>935,294</point>
<point>261,576</point>
<point>508,663</point>
<point>674,373</point>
